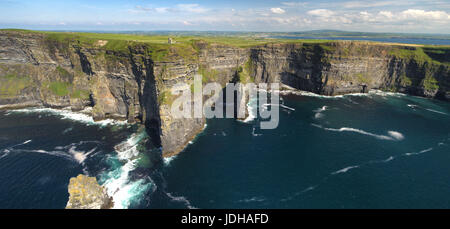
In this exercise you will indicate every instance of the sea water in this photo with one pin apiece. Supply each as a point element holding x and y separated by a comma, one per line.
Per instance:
<point>376,150</point>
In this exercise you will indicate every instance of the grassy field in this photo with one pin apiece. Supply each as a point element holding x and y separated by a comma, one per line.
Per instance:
<point>116,40</point>
<point>159,49</point>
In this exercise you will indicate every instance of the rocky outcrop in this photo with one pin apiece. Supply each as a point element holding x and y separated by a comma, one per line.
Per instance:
<point>130,80</point>
<point>86,193</point>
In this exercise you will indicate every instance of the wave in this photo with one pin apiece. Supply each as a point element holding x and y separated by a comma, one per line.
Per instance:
<point>323,108</point>
<point>280,105</point>
<point>181,199</point>
<point>252,109</point>
<point>435,111</point>
<point>80,156</point>
<point>252,199</point>
<point>71,115</point>
<point>318,115</point>
<point>420,152</point>
<point>60,154</point>
<point>20,144</point>
<point>385,93</point>
<point>346,169</point>
<point>414,106</point>
<point>67,130</point>
<point>311,94</point>
<point>318,112</point>
<point>389,159</point>
<point>167,160</point>
<point>392,135</point>
<point>117,181</point>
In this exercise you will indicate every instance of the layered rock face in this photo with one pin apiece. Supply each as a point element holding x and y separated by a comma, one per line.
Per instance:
<point>131,80</point>
<point>342,67</point>
<point>86,193</point>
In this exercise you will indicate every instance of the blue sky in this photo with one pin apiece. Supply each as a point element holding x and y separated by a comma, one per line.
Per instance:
<point>411,16</point>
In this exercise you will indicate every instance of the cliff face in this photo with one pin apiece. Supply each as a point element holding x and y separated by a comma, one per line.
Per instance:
<point>347,67</point>
<point>132,80</point>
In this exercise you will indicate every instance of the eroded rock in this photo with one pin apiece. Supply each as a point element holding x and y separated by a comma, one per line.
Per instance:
<point>86,193</point>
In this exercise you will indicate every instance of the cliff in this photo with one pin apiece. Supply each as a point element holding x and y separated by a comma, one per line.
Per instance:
<point>86,193</point>
<point>342,67</point>
<point>130,77</point>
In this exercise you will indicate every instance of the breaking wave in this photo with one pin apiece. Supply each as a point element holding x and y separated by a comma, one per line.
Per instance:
<point>252,109</point>
<point>346,169</point>
<point>311,94</point>
<point>318,112</point>
<point>392,135</point>
<point>66,113</point>
<point>124,190</point>
<point>167,160</point>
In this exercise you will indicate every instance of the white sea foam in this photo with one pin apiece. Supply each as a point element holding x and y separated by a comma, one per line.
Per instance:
<point>323,108</point>
<point>318,112</point>
<point>318,115</point>
<point>435,111</point>
<point>117,183</point>
<point>67,130</point>
<point>252,199</point>
<point>389,159</point>
<point>384,93</point>
<point>344,170</point>
<point>80,156</point>
<point>23,143</point>
<point>68,114</point>
<point>420,152</point>
<point>393,135</point>
<point>252,109</point>
<point>311,94</point>
<point>181,199</point>
<point>396,135</point>
<point>310,188</point>
<point>265,106</point>
<point>167,160</point>
<point>60,154</point>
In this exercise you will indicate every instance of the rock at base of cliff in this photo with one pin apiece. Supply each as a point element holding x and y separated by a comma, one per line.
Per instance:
<point>86,193</point>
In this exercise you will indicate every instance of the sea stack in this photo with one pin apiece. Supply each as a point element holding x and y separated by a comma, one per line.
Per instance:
<point>86,193</point>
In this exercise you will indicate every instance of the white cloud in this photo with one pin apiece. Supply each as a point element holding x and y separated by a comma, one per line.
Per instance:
<point>290,17</point>
<point>321,13</point>
<point>277,10</point>
<point>191,8</point>
<point>371,4</point>
<point>386,14</point>
<point>294,4</point>
<point>424,15</point>
<point>180,8</point>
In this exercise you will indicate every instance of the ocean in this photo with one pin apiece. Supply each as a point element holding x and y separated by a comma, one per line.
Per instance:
<point>403,40</point>
<point>375,150</point>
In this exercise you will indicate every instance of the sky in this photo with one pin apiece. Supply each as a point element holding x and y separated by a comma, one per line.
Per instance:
<point>406,16</point>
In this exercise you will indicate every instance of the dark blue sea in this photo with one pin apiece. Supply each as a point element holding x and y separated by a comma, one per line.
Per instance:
<point>376,150</point>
